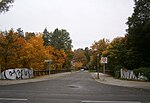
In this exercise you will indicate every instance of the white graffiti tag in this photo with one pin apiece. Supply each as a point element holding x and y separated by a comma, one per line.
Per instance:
<point>17,73</point>
<point>129,74</point>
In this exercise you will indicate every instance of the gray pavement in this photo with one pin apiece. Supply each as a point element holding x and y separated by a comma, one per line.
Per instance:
<point>77,87</point>
<point>104,78</point>
<point>107,79</point>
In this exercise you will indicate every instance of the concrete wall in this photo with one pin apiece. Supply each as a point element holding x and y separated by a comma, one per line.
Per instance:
<point>128,74</point>
<point>17,73</point>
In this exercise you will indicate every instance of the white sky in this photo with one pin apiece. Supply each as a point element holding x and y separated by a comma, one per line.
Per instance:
<point>86,20</point>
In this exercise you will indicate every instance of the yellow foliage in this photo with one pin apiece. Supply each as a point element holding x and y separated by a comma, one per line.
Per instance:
<point>28,52</point>
<point>78,65</point>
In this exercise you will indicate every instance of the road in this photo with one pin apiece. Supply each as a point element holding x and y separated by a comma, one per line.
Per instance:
<point>73,88</point>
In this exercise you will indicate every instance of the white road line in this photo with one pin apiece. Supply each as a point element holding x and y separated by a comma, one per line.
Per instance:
<point>13,99</point>
<point>110,102</point>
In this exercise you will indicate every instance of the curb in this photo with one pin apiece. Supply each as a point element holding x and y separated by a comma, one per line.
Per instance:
<point>123,83</point>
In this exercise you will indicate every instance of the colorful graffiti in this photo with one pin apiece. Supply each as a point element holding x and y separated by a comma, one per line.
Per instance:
<point>17,73</point>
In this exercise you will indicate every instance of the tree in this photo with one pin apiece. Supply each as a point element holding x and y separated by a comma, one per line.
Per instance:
<point>5,5</point>
<point>46,37</point>
<point>138,36</point>
<point>97,48</point>
<point>7,47</point>
<point>116,54</point>
<point>34,53</point>
<point>28,52</point>
<point>16,60</point>
<point>69,56</point>
<point>29,35</point>
<point>100,46</point>
<point>79,56</point>
<point>58,58</point>
<point>20,32</point>
<point>59,39</point>
<point>78,65</point>
<point>87,54</point>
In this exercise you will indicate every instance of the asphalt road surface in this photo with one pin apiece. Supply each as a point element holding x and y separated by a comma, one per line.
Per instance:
<point>73,88</point>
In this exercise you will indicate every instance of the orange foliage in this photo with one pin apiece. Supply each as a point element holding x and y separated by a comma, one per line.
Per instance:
<point>78,65</point>
<point>19,52</point>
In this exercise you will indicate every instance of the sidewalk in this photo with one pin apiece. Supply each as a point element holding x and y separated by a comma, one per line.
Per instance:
<point>35,79</point>
<point>107,79</point>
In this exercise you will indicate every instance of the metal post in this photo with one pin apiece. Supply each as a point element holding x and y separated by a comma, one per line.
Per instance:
<point>104,69</point>
<point>98,73</point>
<point>97,66</point>
<point>49,62</point>
<point>49,71</point>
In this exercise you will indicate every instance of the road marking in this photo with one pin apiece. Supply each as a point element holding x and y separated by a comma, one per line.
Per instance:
<point>13,99</point>
<point>110,102</point>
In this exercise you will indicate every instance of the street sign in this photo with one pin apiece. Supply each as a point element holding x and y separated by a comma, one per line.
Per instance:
<point>103,60</point>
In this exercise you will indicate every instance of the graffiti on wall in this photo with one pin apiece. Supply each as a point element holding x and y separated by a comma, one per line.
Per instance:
<point>17,73</point>
<point>129,74</point>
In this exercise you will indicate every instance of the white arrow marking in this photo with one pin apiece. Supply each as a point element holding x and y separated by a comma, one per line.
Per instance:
<point>13,99</point>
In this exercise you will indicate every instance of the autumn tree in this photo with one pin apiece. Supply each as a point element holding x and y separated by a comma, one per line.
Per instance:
<point>7,47</point>
<point>17,51</point>
<point>59,58</point>
<point>97,48</point>
<point>79,57</point>
<point>5,5</point>
<point>34,53</point>
<point>77,65</point>
<point>60,40</point>
<point>100,46</point>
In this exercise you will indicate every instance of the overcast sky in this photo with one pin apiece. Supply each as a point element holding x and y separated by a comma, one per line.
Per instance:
<point>86,20</point>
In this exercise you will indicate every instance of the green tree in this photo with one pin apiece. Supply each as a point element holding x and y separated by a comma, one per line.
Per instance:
<point>116,53</point>
<point>20,32</point>
<point>60,39</point>
<point>29,35</point>
<point>5,5</point>
<point>87,54</point>
<point>138,36</point>
<point>46,37</point>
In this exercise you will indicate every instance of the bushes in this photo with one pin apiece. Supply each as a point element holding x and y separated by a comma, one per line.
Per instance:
<point>142,71</point>
<point>117,74</point>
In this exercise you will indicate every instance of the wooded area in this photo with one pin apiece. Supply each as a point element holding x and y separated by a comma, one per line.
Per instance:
<point>28,51</point>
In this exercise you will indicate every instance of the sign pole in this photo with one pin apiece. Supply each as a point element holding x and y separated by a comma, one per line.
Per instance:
<point>49,62</point>
<point>97,65</point>
<point>104,69</point>
<point>104,62</point>
<point>49,72</point>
